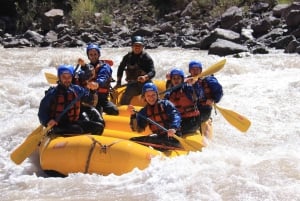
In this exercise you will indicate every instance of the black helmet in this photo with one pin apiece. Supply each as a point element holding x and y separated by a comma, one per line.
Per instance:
<point>137,40</point>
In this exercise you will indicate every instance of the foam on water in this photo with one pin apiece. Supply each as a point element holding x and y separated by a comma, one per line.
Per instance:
<point>263,164</point>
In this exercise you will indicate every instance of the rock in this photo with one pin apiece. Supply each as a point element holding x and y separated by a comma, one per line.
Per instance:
<point>224,47</point>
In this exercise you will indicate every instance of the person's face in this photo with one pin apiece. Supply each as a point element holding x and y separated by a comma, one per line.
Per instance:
<point>176,80</point>
<point>65,79</point>
<point>137,48</point>
<point>150,97</point>
<point>195,71</point>
<point>93,56</point>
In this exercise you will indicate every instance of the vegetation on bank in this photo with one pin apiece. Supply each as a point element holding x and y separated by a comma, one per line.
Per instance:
<point>81,12</point>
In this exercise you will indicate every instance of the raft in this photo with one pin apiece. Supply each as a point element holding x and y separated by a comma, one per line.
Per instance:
<point>111,153</point>
<point>101,154</point>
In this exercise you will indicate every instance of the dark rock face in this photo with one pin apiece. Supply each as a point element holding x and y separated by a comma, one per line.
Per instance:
<point>264,26</point>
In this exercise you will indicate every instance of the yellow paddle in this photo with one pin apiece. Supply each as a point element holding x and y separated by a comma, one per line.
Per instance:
<point>210,70</point>
<point>51,79</point>
<point>186,145</point>
<point>29,145</point>
<point>237,120</point>
<point>32,141</point>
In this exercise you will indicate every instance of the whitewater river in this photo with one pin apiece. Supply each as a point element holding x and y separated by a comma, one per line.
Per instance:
<point>262,164</point>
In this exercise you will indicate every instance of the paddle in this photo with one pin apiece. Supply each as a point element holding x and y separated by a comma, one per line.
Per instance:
<point>210,70</point>
<point>32,141</point>
<point>187,146</point>
<point>237,120</point>
<point>51,79</point>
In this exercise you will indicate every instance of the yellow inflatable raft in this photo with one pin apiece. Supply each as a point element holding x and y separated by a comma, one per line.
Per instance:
<point>102,154</point>
<point>111,153</point>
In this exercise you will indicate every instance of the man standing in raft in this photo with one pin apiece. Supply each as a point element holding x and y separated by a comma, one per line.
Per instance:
<point>139,68</point>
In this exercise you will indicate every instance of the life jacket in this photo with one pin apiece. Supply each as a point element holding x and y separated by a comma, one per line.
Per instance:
<point>186,106</point>
<point>157,114</point>
<point>133,67</point>
<point>102,89</point>
<point>62,99</point>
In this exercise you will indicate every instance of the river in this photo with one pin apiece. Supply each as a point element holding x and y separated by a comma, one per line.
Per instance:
<point>262,164</point>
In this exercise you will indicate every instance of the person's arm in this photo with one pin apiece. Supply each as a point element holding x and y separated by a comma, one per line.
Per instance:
<point>45,108</point>
<point>121,69</point>
<point>104,75</point>
<point>149,65</point>
<point>137,123</point>
<point>173,114</point>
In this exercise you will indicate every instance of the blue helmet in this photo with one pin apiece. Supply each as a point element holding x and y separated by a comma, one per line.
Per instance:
<point>194,64</point>
<point>149,87</point>
<point>92,46</point>
<point>177,71</point>
<point>65,69</point>
<point>137,40</point>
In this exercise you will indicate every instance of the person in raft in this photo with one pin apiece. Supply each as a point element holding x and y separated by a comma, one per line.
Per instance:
<point>163,112</point>
<point>102,74</point>
<point>67,96</point>
<point>185,100</point>
<point>139,68</point>
<point>208,89</point>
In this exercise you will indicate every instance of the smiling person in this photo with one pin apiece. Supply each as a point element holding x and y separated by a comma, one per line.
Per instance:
<point>56,101</point>
<point>185,100</point>
<point>163,112</point>
<point>139,68</point>
<point>99,71</point>
<point>208,89</point>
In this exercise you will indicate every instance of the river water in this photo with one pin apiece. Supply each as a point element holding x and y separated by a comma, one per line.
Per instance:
<point>261,164</point>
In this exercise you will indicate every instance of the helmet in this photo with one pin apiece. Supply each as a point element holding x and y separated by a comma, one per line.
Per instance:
<point>177,71</point>
<point>194,64</point>
<point>137,40</point>
<point>65,69</point>
<point>149,87</point>
<point>93,46</point>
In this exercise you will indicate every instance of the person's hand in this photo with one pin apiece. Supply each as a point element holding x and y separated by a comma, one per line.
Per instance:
<point>131,109</point>
<point>209,102</point>
<point>190,80</point>
<point>81,62</point>
<point>118,85</point>
<point>92,85</point>
<point>171,132</point>
<point>168,76</point>
<point>51,123</point>
<point>142,78</point>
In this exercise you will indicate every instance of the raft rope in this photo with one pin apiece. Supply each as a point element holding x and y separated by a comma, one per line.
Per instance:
<point>103,148</point>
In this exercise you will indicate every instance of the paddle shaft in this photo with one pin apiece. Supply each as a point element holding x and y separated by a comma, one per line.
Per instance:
<point>187,146</point>
<point>33,139</point>
<point>152,122</point>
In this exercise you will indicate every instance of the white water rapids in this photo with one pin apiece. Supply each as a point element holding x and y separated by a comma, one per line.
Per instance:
<point>260,165</point>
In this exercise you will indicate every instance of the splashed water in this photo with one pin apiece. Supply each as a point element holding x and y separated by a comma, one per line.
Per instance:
<point>263,164</point>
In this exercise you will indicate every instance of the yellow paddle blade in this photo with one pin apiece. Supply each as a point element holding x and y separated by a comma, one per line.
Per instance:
<point>51,79</point>
<point>212,69</point>
<point>189,145</point>
<point>28,146</point>
<point>237,120</point>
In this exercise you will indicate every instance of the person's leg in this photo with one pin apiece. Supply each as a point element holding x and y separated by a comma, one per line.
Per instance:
<point>190,125</point>
<point>96,128</point>
<point>133,89</point>
<point>108,107</point>
<point>67,129</point>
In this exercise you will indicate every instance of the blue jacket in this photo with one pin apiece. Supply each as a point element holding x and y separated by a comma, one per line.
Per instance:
<point>103,77</point>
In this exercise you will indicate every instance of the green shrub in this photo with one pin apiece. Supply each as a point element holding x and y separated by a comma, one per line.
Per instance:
<point>82,11</point>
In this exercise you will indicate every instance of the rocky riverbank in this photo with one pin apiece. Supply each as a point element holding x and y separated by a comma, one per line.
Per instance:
<point>262,27</point>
